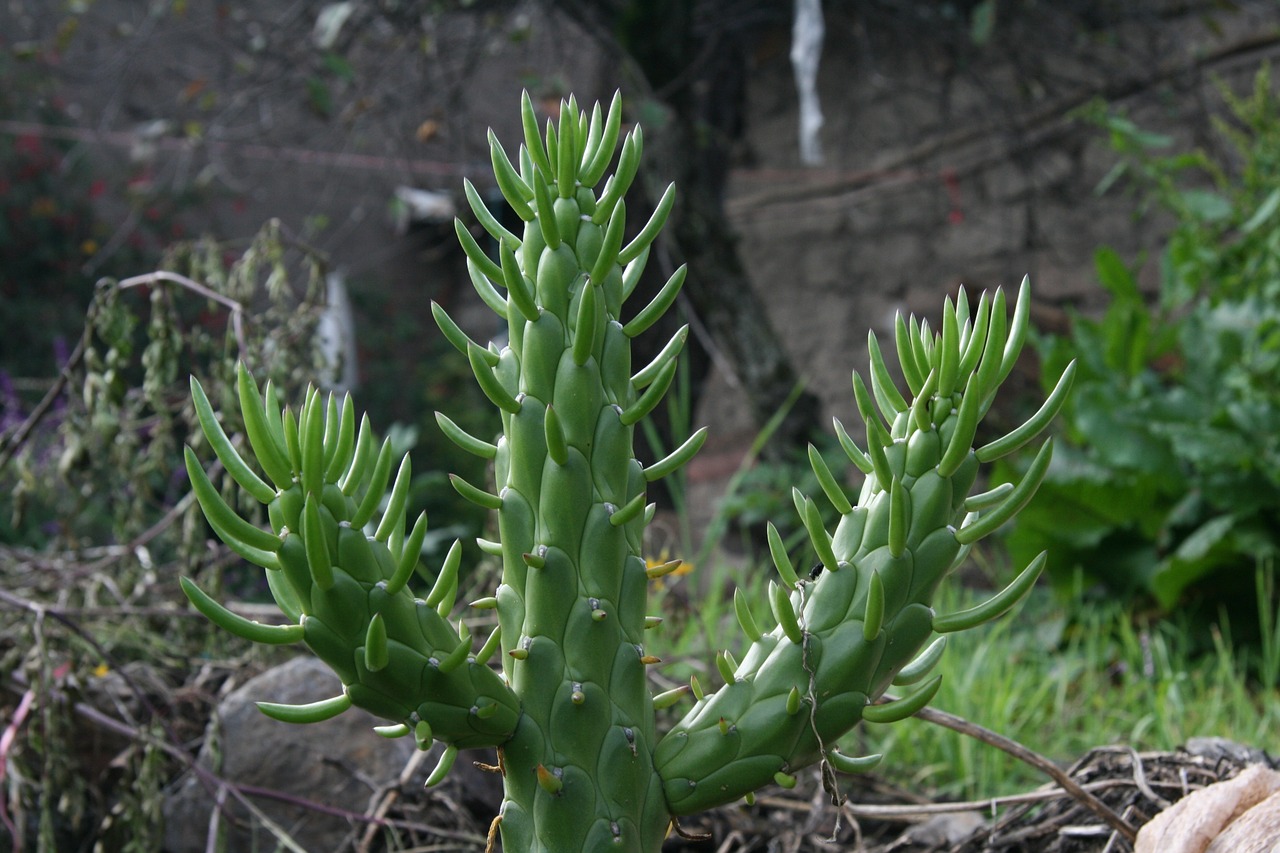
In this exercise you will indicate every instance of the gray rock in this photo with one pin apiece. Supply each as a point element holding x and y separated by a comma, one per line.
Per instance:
<point>945,829</point>
<point>337,763</point>
<point>1222,749</point>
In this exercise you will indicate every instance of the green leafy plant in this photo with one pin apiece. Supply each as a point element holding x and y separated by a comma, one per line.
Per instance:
<point>570,711</point>
<point>1168,481</point>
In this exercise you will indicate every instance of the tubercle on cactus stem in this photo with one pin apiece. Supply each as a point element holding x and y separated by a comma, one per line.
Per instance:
<point>570,709</point>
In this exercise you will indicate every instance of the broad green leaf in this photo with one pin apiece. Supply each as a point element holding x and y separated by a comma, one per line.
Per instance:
<point>1206,206</point>
<point>1263,213</point>
<point>1115,275</point>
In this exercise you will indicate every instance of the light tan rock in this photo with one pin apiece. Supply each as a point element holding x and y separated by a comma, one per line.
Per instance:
<point>1192,824</point>
<point>1255,831</point>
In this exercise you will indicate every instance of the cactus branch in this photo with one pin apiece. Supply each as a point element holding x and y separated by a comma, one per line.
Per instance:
<point>844,636</point>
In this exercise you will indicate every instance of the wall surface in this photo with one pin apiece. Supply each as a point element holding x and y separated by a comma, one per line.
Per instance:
<point>944,170</point>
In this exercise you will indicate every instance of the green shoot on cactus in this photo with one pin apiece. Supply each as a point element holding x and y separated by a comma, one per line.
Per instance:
<point>569,708</point>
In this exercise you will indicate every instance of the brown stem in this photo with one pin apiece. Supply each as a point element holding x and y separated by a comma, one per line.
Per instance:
<point>236,309</point>
<point>1022,753</point>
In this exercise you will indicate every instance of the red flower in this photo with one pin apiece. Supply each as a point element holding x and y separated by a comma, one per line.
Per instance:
<point>27,144</point>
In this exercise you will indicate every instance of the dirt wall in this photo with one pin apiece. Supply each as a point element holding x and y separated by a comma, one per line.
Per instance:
<point>975,169</point>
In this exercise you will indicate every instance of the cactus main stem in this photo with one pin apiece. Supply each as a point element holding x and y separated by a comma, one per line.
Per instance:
<point>579,770</point>
<point>570,493</point>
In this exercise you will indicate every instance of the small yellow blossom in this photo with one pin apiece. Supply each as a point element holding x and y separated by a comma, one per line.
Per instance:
<point>663,558</point>
<point>43,207</point>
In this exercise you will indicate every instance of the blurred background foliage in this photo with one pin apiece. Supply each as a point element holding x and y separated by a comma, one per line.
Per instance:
<point>1166,486</point>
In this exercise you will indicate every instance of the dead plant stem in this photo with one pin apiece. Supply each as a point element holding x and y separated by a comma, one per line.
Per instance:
<point>1028,756</point>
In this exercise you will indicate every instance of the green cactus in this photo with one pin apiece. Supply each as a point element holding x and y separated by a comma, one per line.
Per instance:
<point>570,711</point>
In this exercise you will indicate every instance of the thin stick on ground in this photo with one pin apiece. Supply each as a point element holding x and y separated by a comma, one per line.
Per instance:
<point>386,797</point>
<point>1024,754</point>
<point>914,812</point>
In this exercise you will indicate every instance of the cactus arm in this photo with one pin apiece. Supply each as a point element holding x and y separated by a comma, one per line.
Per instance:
<point>349,480</point>
<point>649,372</point>
<point>923,663</point>
<point>650,231</point>
<point>900,709</point>
<point>658,306</point>
<point>264,441</point>
<point>250,542</point>
<point>312,712</point>
<point>225,450</point>
<point>780,559</point>
<point>862,625</point>
<point>677,458</point>
<point>247,629</point>
<point>887,394</point>
<point>835,494</point>
<point>849,764</point>
<point>994,607</point>
<point>529,123</point>
<point>443,766</point>
<point>859,459</point>
<point>1034,425</point>
<point>454,335</point>
<point>345,590</point>
<point>486,218</point>
<point>1022,493</point>
<point>513,187</point>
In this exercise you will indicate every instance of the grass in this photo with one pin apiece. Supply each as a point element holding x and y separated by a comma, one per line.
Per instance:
<point>1063,679</point>
<point>699,620</point>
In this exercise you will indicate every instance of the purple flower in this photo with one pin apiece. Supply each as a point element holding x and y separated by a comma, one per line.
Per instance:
<point>10,406</point>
